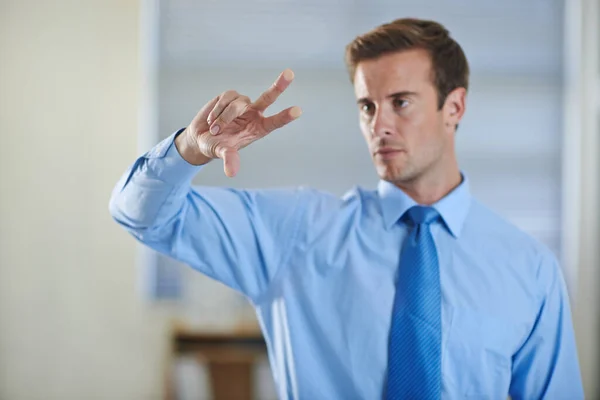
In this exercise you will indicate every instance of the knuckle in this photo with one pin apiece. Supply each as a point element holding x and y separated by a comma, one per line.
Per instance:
<point>233,111</point>
<point>214,148</point>
<point>242,105</point>
<point>269,125</point>
<point>208,146</point>
<point>213,113</point>
<point>222,117</point>
<point>211,148</point>
<point>269,97</point>
<point>276,89</point>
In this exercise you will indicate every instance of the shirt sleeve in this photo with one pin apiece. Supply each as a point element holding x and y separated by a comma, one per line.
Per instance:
<point>546,366</point>
<point>238,237</point>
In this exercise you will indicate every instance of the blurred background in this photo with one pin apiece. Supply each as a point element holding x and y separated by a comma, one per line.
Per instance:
<point>88,86</point>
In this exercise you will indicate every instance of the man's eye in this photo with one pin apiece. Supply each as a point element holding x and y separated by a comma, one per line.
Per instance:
<point>400,103</point>
<point>366,108</point>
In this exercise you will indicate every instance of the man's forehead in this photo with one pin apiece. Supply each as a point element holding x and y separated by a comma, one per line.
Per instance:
<point>395,72</point>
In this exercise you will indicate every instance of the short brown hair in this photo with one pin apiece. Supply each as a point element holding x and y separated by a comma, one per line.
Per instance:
<point>449,63</point>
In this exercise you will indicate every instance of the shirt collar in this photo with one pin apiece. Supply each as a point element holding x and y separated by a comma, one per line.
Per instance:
<point>453,207</point>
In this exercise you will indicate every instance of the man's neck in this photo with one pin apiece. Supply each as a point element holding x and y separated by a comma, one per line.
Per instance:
<point>429,189</point>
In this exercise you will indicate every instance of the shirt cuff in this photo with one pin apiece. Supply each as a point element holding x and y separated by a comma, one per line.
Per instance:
<point>168,165</point>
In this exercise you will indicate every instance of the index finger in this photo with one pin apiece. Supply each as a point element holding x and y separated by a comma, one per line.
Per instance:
<point>271,94</point>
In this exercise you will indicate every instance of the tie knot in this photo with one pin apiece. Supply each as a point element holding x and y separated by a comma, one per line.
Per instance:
<point>421,215</point>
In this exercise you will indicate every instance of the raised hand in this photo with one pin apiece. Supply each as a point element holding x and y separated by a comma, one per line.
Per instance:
<point>230,122</point>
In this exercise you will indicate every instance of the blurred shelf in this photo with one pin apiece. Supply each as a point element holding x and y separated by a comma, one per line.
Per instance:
<point>229,355</point>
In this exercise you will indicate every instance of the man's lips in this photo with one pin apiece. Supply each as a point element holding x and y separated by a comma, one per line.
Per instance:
<point>387,152</point>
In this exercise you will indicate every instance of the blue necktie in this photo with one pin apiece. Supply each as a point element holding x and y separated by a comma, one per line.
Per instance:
<point>414,366</point>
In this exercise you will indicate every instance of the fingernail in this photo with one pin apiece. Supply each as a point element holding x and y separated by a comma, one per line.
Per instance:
<point>214,129</point>
<point>295,112</point>
<point>288,74</point>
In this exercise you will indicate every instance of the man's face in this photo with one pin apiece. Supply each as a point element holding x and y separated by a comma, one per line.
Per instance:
<point>406,134</point>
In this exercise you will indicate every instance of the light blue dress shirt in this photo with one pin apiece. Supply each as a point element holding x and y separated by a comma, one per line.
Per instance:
<point>320,271</point>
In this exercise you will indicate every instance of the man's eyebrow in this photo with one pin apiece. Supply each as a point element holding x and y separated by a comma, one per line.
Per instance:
<point>404,93</point>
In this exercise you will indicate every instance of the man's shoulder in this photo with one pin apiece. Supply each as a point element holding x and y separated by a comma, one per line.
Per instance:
<point>338,203</point>
<point>489,225</point>
<point>359,193</point>
<point>306,195</point>
<point>354,194</point>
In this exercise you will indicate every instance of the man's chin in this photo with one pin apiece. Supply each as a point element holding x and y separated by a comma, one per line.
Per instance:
<point>388,174</point>
<point>394,176</point>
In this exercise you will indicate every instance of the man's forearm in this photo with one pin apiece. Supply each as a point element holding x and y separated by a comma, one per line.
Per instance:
<point>153,190</point>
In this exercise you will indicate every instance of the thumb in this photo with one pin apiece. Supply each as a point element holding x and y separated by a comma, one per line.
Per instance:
<point>231,161</point>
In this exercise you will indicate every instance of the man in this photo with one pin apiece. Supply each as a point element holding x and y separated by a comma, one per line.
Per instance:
<point>412,291</point>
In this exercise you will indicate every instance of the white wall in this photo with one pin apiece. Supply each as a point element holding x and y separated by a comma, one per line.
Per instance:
<point>71,326</point>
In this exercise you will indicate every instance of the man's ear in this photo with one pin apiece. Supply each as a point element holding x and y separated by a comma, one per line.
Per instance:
<point>454,106</point>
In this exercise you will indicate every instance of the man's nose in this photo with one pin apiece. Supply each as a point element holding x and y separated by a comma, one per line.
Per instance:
<point>382,123</point>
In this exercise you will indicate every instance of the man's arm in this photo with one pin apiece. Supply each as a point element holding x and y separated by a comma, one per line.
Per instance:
<point>547,366</point>
<point>238,237</point>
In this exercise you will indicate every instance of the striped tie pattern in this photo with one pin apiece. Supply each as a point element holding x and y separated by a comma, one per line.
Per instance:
<point>414,365</point>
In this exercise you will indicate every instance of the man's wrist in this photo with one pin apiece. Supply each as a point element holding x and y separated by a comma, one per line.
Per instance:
<point>189,151</point>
